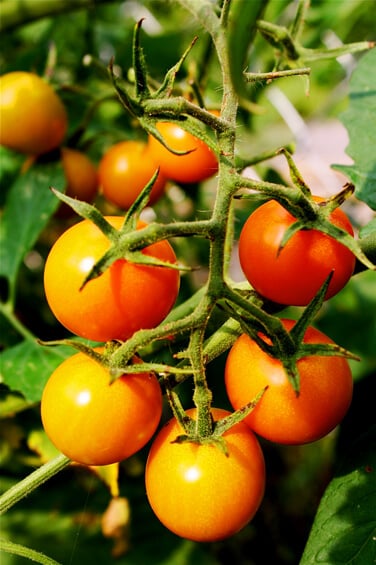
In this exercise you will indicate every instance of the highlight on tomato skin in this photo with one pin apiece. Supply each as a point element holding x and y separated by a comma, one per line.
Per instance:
<point>30,102</point>
<point>197,491</point>
<point>199,164</point>
<point>294,274</point>
<point>125,298</point>
<point>326,388</point>
<point>125,169</point>
<point>94,421</point>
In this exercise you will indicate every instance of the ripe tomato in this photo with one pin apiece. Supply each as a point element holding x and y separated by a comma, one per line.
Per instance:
<point>280,416</point>
<point>80,173</point>
<point>125,169</point>
<point>294,275</point>
<point>33,118</point>
<point>124,299</point>
<point>196,166</point>
<point>96,422</point>
<point>196,490</point>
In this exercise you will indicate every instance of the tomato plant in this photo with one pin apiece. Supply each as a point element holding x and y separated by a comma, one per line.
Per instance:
<point>125,298</point>
<point>198,491</point>
<point>197,165</point>
<point>123,73</point>
<point>294,274</point>
<point>33,118</point>
<point>281,416</point>
<point>94,421</point>
<point>125,169</point>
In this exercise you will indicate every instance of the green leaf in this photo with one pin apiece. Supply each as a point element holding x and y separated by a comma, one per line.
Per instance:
<point>360,122</point>
<point>345,525</point>
<point>26,367</point>
<point>28,208</point>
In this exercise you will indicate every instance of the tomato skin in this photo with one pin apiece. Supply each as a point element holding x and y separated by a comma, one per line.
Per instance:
<point>33,118</point>
<point>125,169</point>
<point>295,274</point>
<point>80,173</point>
<point>325,391</point>
<point>124,299</point>
<point>193,167</point>
<point>93,421</point>
<point>199,493</point>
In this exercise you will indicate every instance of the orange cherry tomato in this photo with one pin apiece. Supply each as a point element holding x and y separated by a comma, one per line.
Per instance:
<point>80,173</point>
<point>124,299</point>
<point>196,166</point>
<point>325,390</point>
<point>197,491</point>
<point>124,171</point>
<point>94,421</point>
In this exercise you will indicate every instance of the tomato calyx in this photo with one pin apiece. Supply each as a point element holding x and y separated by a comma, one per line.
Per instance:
<point>286,346</point>
<point>310,212</point>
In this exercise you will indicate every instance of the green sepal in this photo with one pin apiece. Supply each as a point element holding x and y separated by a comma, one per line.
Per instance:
<point>89,212</point>
<point>139,65</point>
<point>167,85</point>
<point>224,424</point>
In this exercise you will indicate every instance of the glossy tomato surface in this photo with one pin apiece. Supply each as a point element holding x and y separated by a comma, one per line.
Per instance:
<point>125,169</point>
<point>32,116</point>
<point>196,166</point>
<point>325,390</point>
<point>124,299</point>
<point>294,274</point>
<point>197,491</point>
<point>96,422</point>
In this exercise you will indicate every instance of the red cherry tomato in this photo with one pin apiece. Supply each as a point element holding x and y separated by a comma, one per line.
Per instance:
<point>294,274</point>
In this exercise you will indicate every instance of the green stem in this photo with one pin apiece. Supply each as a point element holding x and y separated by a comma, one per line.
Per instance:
<point>8,313</point>
<point>32,481</point>
<point>257,77</point>
<point>22,551</point>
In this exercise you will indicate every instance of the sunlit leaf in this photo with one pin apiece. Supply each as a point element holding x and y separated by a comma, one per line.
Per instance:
<point>360,122</point>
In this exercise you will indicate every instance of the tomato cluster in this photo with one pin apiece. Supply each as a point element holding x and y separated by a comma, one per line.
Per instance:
<point>89,418</point>
<point>128,166</point>
<point>96,419</point>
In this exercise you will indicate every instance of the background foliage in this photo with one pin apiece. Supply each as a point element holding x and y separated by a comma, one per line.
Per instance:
<point>64,518</point>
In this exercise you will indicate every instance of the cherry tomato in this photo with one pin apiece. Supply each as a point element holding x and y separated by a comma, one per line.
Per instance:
<point>124,171</point>
<point>295,274</point>
<point>80,173</point>
<point>33,118</point>
<point>197,491</point>
<point>124,299</point>
<point>196,166</point>
<point>280,416</point>
<point>96,422</point>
